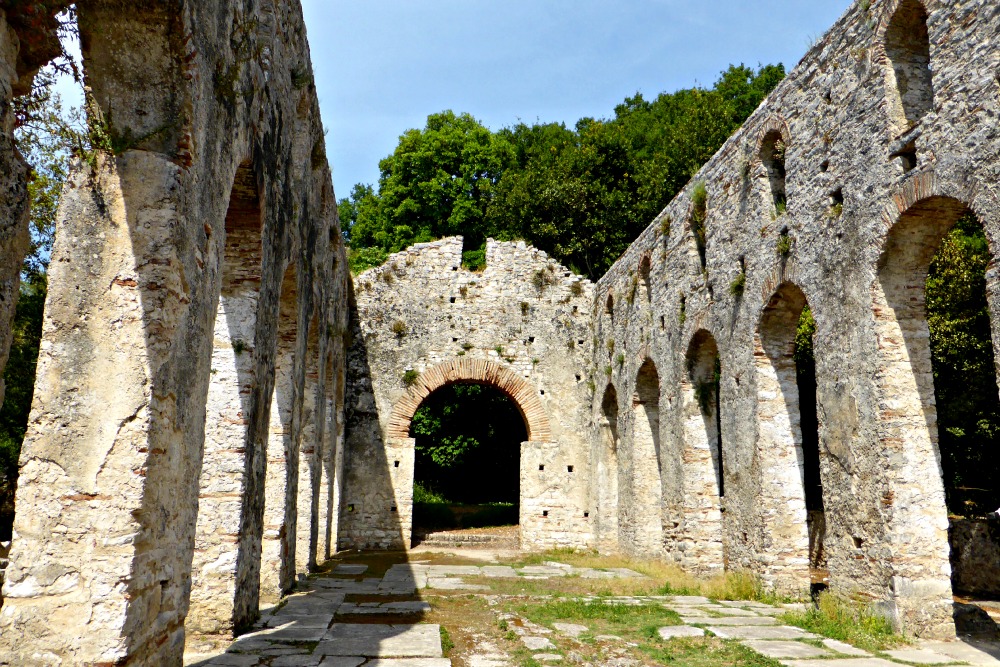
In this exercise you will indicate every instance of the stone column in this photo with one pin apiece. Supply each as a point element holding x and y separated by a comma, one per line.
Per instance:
<point>702,508</point>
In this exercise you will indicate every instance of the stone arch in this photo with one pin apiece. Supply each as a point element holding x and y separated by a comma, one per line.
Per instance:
<point>702,455</point>
<point>278,546</point>
<point>645,265</point>
<point>524,396</point>
<point>904,49</point>
<point>607,471</point>
<point>772,143</point>
<point>213,573</point>
<point>787,445</point>
<point>646,478</point>
<point>907,424</point>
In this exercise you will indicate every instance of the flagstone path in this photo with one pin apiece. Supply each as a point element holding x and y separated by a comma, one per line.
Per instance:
<point>380,626</point>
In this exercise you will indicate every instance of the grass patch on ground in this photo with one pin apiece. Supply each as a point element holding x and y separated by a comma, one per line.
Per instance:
<point>706,652</point>
<point>851,621</point>
<point>600,617</point>
<point>663,578</point>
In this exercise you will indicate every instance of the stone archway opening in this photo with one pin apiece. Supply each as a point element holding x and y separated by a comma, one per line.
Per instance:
<point>607,472</point>
<point>907,48</point>
<point>234,356</point>
<point>704,471</point>
<point>941,422</point>
<point>788,446</point>
<point>467,455</point>
<point>536,510</point>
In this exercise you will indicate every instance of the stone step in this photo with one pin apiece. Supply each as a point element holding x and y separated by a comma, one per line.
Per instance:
<point>472,540</point>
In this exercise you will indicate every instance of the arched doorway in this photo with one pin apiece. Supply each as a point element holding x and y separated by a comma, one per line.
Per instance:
<point>788,442</point>
<point>936,360</point>
<point>536,508</point>
<point>703,461</point>
<point>607,472</point>
<point>647,488</point>
<point>467,453</point>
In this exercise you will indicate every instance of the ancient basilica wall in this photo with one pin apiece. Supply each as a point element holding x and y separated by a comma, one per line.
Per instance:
<point>835,194</point>
<point>192,343</point>
<point>422,321</point>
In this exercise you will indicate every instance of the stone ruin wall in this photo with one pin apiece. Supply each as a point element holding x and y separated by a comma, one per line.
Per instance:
<point>196,314</point>
<point>163,348</point>
<point>905,146</point>
<point>521,324</point>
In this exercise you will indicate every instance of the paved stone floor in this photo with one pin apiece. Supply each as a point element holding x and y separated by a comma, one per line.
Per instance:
<point>380,625</point>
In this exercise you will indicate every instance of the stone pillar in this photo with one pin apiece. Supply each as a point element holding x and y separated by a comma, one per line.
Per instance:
<point>553,503</point>
<point>109,479</point>
<point>280,440</point>
<point>310,471</point>
<point>782,505</point>
<point>702,546</point>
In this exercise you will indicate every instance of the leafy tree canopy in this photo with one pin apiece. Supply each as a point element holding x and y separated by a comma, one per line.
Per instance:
<point>581,194</point>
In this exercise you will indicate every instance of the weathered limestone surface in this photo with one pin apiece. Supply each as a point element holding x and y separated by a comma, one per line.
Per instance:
<point>202,398</point>
<point>890,133</point>
<point>161,335</point>
<point>521,325</point>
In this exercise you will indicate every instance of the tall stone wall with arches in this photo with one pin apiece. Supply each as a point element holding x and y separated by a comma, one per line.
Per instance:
<point>185,422</point>
<point>833,196</point>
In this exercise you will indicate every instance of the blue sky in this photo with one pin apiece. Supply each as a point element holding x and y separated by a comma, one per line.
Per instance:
<point>383,65</point>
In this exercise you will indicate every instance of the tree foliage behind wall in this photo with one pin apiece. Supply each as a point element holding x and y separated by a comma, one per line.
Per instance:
<point>41,138</point>
<point>468,446</point>
<point>965,384</point>
<point>582,194</point>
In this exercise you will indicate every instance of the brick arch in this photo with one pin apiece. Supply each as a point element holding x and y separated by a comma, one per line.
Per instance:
<point>466,370</point>
<point>887,12</point>
<point>775,123</point>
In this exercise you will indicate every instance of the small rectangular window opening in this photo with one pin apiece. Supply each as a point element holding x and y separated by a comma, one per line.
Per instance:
<point>350,507</point>
<point>395,464</point>
<point>586,515</point>
<point>569,468</point>
<point>542,467</point>
<point>392,509</point>
<point>452,299</point>
<point>545,512</point>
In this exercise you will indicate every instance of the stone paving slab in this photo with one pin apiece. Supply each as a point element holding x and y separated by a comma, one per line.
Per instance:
<point>380,641</point>
<point>966,652</point>
<point>235,660</point>
<point>920,656</point>
<point>731,621</point>
<point>690,600</point>
<point>785,649</point>
<point>841,647</point>
<point>350,568</point>
<point>674,631</point>
<point>453,584</point>
<point>843,662</point>
<point>409,662</point>
<point>571,629</point>
<point>341,661</point>
<point>537,643</point>
<point>498,571</point>
<point>761,632</point>
<point>730,611</point>
<point>299,660</point>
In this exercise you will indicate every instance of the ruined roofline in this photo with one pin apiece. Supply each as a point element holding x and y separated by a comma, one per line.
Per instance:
<point>499,248</point>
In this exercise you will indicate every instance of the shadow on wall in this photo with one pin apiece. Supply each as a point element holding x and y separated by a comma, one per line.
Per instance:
<point>370,516</point>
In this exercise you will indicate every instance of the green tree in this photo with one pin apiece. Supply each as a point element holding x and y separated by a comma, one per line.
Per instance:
<point>581,194</point>
<point>41,136</point>
<point>438,182</point>
<point>965,384</point>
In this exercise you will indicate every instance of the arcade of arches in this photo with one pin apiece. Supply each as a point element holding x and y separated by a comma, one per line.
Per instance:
<point>777,376</point>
